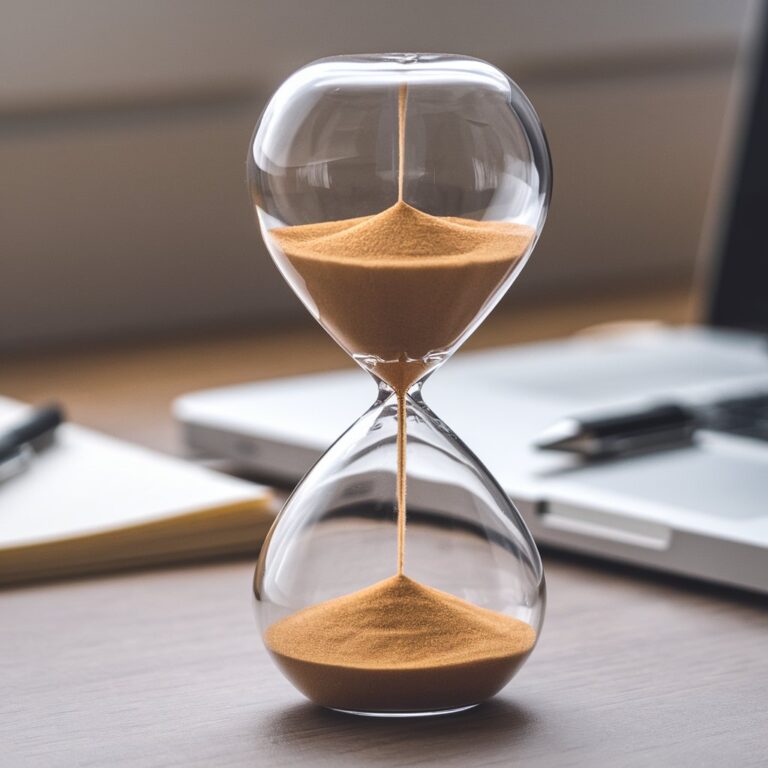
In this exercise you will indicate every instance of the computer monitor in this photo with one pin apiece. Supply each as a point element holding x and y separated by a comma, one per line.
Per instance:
<point>739,292</point>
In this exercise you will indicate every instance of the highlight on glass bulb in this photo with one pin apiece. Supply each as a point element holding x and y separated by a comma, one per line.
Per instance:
<point>399,195</point>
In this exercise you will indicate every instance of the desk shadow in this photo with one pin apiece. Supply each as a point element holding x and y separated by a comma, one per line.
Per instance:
<point>492,728</point>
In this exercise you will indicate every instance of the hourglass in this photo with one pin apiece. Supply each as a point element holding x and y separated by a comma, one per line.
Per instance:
<point>399,196</point>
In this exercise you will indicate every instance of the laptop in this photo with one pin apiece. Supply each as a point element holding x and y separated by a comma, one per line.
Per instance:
<point>699,510</point>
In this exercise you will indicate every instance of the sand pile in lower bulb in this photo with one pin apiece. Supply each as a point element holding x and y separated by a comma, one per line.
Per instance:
<point>402,285</point>
<point>399,646</point>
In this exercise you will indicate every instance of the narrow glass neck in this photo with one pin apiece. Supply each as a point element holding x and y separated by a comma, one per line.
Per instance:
<point>386,391</point>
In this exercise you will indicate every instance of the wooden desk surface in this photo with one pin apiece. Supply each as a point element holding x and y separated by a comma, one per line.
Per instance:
<point>165,667</point>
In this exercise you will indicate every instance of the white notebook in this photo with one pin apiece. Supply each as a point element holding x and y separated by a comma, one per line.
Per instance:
<point>92,503</point>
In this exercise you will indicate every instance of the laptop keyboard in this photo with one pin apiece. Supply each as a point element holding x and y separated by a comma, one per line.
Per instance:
<point>745,416</point>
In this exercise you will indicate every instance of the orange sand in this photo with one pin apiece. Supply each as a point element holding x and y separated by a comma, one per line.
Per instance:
<point>401,285</point>
<point>399,646</point>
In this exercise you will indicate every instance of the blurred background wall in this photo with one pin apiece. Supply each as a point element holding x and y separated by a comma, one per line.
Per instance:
<point>124,126</point>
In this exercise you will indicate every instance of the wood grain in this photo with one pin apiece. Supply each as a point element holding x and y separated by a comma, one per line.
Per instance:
<point>166,668</point>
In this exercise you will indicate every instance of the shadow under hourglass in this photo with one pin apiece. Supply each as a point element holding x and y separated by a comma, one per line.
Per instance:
<point>491,729</point>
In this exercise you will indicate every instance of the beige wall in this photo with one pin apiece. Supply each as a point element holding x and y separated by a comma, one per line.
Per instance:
<point>123,129</point>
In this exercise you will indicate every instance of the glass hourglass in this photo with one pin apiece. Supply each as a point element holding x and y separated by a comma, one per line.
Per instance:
<point>399,196</point>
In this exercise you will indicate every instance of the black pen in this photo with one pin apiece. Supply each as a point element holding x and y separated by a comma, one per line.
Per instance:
<point>30,435</point>
<point>657,427</point>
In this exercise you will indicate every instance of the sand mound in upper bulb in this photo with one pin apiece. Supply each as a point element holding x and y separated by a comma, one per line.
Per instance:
<point>402,232</point>
<point>402,285</point>
<point>399,646</point>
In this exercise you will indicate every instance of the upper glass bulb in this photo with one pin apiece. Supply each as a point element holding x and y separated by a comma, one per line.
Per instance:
<point>430,172</point>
